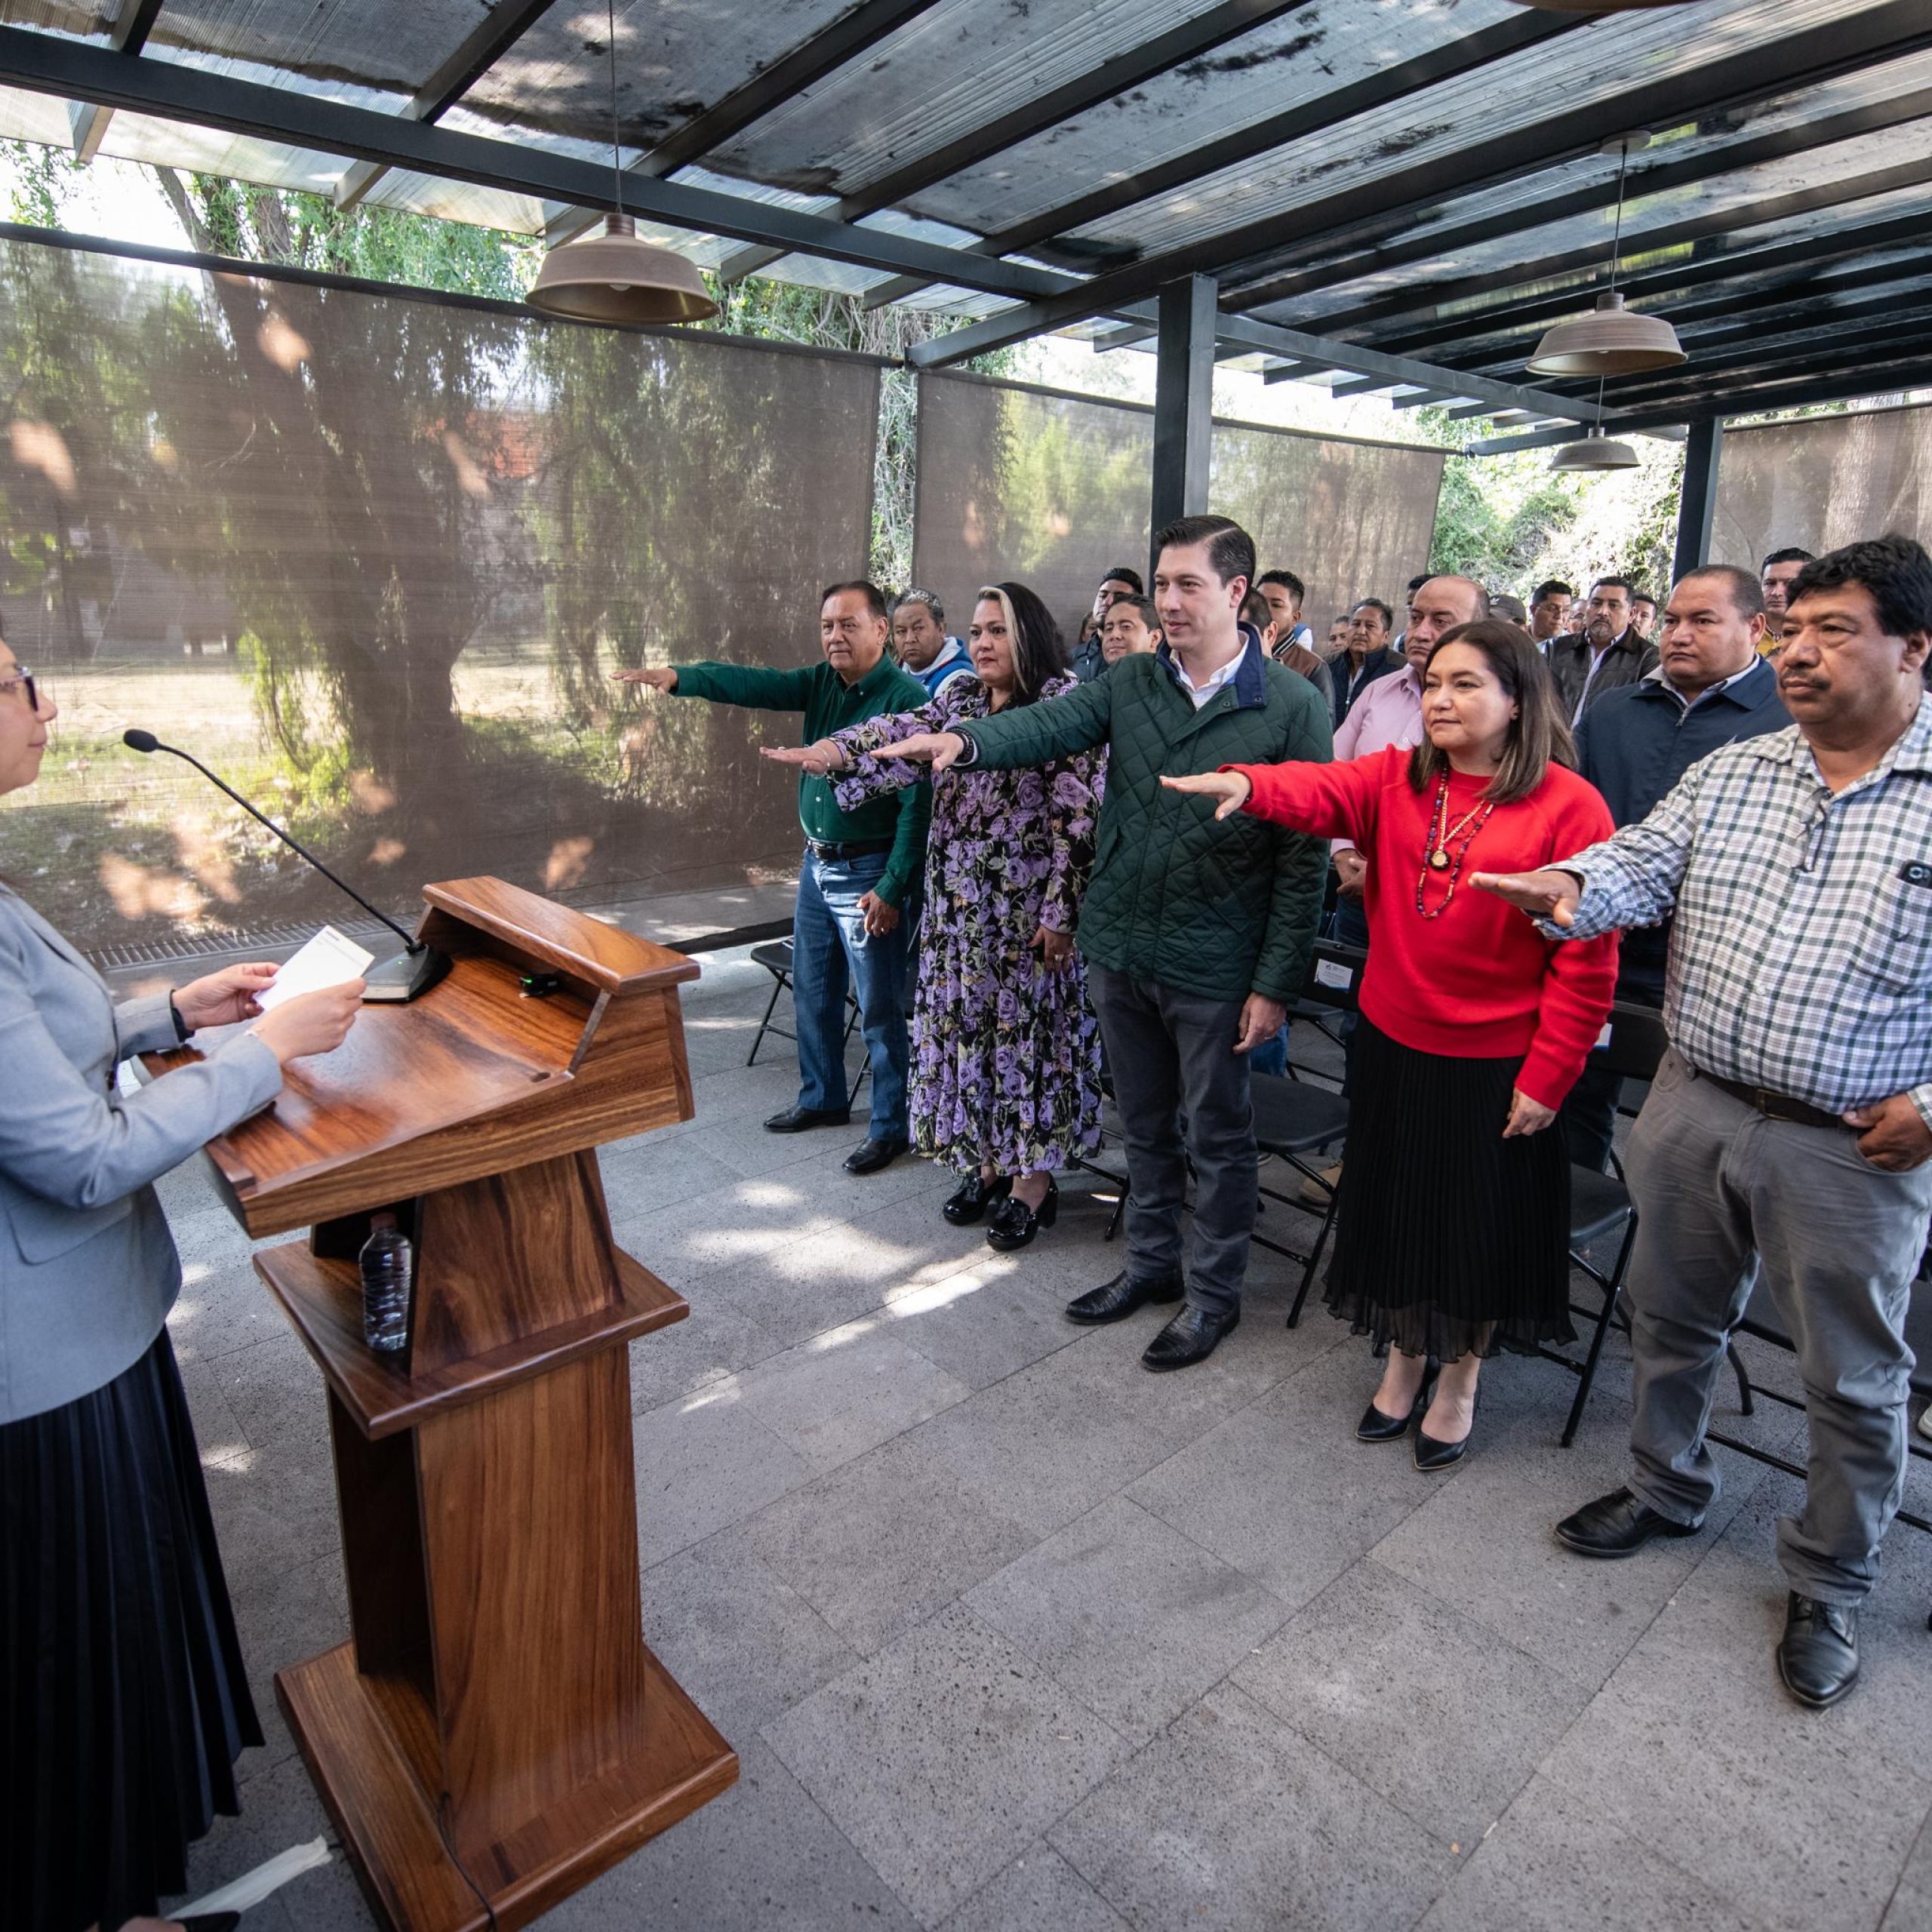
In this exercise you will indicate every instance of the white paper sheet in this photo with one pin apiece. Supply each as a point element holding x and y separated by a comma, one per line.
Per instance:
<point>329,959</point>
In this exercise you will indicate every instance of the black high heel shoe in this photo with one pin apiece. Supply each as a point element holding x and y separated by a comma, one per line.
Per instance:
<point>973,1196</point>
<point>1014,1224</point>
<point>1376,1427</point>
<point>1431,1454</point>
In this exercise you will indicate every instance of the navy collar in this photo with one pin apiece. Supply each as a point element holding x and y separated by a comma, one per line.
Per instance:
<point>1249,682</point>
<point>1742,688</point>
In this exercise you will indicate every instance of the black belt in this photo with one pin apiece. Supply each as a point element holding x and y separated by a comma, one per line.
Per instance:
<point>832,849</point>
<point>1776,1106</point>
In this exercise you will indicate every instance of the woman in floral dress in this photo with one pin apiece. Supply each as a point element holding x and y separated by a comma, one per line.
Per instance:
<point>1006,1062</point>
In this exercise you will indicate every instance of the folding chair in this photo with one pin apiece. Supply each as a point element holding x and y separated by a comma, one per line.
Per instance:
<point>1600,1206</point>
<point>1294,1118</point>
<point>775,956</point>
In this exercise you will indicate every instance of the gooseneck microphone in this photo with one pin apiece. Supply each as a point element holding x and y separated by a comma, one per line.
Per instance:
<point>413,970</point>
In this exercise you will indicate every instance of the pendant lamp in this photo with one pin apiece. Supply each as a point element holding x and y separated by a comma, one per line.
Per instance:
<point>1596,451</point>
<point>615,277</point>
<point>1612,339</point>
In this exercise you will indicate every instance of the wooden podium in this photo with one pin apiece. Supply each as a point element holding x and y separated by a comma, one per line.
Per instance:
<point>495,1727</point>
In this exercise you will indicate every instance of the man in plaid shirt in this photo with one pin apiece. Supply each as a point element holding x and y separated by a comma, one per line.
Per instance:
<point>1793,1114</point>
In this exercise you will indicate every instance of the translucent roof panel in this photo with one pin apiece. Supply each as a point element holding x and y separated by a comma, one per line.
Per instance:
<point>209,151</point>
<point>91,19</point>
<point>457,200</point>
<point>1500,262</point>
<point>1604,57</point>
<point>373,52</point>
<point>673,61</point>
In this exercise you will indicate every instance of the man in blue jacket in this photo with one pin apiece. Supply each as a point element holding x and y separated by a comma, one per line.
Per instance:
<point>1710,688</point>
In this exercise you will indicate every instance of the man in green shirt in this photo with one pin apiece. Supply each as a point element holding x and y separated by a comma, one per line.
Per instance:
<point>859,871</point>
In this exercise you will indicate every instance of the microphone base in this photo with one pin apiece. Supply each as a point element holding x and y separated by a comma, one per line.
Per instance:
<point>395,981</point>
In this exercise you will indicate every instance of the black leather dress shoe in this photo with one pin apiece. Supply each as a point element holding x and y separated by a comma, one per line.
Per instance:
<point>870,1156</point>
<point>795,1120</point>
<point>1115,1300</point>
<point>1014,1224</point>
<point>1818,1655</point>
<point>1617,1525</point>
<point>1192,1336</point>
<point>973,1196</point>
<point>1376,1427</point>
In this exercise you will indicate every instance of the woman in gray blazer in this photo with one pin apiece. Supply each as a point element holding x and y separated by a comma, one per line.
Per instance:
<point>123,1702</point>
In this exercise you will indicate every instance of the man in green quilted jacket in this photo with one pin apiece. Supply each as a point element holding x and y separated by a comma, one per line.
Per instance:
<point>1196,933</point>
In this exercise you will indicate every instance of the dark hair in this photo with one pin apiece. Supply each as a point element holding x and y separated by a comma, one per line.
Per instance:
<point>928,598</point>
<point>1643,597</point>
<point>1747,594</point>
<point>1289,582</point>
<point>1230,549</point>
<point>1538,738</point>
<point>1377,604</point>
<point>1622,583</point>
<point>1039,651</point>
<point>1793,555</point>
<point>1507,604</point>
<point>1119,574</point>
<point>1416,582</point>
<point>875,597</point>
<point>1254,611</point>
<point>1149,616</point>
<point>1553,586</point>
<point>1895,569</point>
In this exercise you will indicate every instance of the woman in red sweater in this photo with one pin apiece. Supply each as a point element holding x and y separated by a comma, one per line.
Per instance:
<point>1452,1230</point>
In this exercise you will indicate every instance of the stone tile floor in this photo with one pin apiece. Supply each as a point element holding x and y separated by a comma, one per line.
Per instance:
<point>1009,1634</point>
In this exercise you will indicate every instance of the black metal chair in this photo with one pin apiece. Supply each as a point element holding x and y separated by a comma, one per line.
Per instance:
<point>1294,1118</point>
<point>775,956</point>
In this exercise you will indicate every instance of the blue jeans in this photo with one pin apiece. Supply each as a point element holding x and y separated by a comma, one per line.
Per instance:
<point>831,950</point>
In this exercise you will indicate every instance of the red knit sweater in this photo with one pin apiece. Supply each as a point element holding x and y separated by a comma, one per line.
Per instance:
<point>1480,981</point>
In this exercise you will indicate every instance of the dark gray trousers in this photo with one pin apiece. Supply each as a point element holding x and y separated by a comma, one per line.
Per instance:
<point>1171,1053</point>
<point>1838,1240</point>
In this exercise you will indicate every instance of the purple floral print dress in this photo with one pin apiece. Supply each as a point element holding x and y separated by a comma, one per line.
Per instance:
<point>1006,1057</point>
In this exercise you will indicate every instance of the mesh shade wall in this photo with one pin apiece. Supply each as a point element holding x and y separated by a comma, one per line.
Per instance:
<point>1818,484</point>
<point>374,558</point>
<point>1051,489</point>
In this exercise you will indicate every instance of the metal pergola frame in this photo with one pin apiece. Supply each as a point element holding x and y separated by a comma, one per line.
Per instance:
<point>1770,316</point>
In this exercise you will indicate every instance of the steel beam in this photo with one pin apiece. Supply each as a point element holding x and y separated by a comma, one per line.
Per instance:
<point>87,120</point>
<point>1184,400</point>
<point>492,37</point>
<point>1697,510</point>
<point>1187,41</point>
<point>857,32</point>
<point>1665,431</point>
<point>48,63</point>
<point>1467,54</point>
<point>1773,65</point>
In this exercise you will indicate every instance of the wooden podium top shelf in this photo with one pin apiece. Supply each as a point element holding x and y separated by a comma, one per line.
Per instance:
<point>475,1076</point>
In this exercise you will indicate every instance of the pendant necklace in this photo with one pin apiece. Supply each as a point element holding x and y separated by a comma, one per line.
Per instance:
<point>1438,854</point>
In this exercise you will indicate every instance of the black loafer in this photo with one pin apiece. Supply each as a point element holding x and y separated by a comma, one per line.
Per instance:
<point>1014,1224</point>
<point>1376,1427</point>
<point>1617,1525</point>
<point>1115,1300</point>
<point>1818,1654</point>
<point>870,1156</point>
<point>1192,1336</point>
<point>795,1120</point>
<point>974,1195</point>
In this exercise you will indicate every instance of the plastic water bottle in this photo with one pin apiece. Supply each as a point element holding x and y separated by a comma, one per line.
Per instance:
<point>386,1264</point>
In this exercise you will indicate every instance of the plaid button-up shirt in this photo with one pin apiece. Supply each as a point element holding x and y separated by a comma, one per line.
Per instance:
<point>1801,960</point>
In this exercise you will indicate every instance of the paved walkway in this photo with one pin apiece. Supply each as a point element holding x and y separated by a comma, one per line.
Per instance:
<point>1008,1633</point>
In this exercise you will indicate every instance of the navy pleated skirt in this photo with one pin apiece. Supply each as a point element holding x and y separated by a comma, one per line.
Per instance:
<point>1449,1239</point>
<point>123,1701</point>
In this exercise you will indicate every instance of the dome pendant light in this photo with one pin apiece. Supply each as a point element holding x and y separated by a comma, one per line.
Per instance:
<point>1612,339</point>
<point>613,277</point>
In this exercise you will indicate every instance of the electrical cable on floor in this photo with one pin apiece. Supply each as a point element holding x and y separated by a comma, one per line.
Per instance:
<point>442,1827</point>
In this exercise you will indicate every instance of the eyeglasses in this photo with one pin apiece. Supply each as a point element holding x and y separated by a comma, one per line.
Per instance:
<point>22,680</point>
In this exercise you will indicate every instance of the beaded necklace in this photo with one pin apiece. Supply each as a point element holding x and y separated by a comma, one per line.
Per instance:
<point>1437,855</point>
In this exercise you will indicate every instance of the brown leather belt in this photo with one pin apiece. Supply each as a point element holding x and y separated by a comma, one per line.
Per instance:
<point>1776,1106</point>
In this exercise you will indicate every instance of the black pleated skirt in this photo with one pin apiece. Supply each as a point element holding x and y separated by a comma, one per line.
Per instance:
<point>123,1702</point>
<point>1449,1239</point>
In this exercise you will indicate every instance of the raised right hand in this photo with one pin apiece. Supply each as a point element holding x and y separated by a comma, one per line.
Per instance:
<point>940,749</point>
<point>1548,894</point>
<point>662,679</point>
<point>315,1022</point>
<point>1230,787</point>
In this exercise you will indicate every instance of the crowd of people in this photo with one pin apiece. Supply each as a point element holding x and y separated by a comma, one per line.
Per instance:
<point>1050,876</point>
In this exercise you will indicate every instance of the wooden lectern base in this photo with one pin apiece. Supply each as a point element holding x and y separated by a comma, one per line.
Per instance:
<point>391,1833</point>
